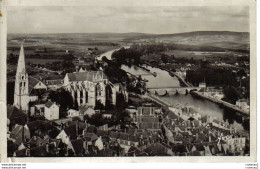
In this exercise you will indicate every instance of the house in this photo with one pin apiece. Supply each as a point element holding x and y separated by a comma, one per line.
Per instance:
<point>37,110</point>
<point>236,144</point>
<point>146,118</point>
<point>107,115</point>
<point>202,85</point>
<point>73,113</point>
<point>54,84</point>
<point>146,111</point>
<point>36,141</point>
<point>35,88</point>
<point>158,149</point>
<point>86,110</point>
<point>51,111</point>
<point>242,104</point>
<point>42,128</point>
<point>15,116</point>
<point>126,139</point>
<point>68,134</point>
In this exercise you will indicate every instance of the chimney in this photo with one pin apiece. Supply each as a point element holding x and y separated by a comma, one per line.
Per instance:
<point>47,148</point>
<point>27,152</point>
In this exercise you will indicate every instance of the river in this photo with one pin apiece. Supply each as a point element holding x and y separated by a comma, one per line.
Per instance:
<point>204,107</point>
<point>109,53</point>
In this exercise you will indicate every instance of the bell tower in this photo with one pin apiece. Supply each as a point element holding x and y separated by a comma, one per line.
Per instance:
<point>21,91</point>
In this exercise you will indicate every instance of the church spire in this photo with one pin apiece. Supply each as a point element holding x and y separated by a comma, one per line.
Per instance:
<point>21,91</point>
<point>21,61</point>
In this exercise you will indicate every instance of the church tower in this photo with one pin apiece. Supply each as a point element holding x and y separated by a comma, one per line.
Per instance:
<point>21,91</point>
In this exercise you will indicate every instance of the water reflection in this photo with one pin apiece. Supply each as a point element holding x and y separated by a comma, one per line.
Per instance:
<point>204,107</point>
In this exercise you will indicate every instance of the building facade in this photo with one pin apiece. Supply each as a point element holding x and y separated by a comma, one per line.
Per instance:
<point>21,90</point>
<point>89,87</point>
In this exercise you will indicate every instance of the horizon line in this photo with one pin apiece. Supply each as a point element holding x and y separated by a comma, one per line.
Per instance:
<point>134,32</point>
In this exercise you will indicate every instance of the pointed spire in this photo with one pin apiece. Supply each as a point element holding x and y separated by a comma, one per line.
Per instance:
<point>21,61</point>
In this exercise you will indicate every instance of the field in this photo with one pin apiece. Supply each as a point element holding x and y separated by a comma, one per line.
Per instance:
<point>48,48</point>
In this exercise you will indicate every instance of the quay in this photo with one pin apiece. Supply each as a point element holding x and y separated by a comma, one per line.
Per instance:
<point>157,100</point>
<point>226,104</point>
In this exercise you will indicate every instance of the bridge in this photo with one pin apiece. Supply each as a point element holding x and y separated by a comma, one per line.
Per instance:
<point>172,90</point>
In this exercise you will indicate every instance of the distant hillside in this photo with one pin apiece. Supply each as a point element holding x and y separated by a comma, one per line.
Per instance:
<point>223,39</point>
<point>219,39</point>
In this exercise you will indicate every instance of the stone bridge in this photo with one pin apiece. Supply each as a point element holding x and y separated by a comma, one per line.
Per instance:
<point>172,90</point>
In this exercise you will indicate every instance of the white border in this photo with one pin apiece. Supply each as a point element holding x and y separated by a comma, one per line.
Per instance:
<point>225,159</point>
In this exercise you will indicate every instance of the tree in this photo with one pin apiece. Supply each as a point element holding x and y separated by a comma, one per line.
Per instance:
<point>231,94</point>
<point>99,105</point>
<point>63,98</point>
<point>120,101</point>
<point>96,119</point>
<point>164,58</point>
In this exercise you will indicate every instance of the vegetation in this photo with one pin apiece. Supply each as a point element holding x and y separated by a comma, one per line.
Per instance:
<point>64,99</point>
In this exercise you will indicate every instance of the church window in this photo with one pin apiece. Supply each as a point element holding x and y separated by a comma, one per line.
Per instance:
<point>21,84</point>
<point>86,97</point>
<point>81,101</point>
<point>81,94</point>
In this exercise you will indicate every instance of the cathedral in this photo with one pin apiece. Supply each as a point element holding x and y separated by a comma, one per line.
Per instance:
<point>88,87</point>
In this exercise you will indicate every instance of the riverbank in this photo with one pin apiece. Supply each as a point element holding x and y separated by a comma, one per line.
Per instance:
<point>186,84</point>
<point>221,102</point>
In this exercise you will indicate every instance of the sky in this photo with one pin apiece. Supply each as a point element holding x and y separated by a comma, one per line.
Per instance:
<point>157,20</point>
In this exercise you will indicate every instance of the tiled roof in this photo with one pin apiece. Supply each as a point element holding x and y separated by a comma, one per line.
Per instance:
<point>32,82</point>
<point>149,125</point>
<point>38,124</point>
<point>13,113</point>
<point>156,149</point>
<point>179,148</point>
<point>21,153</point>
<point>171,115</point>
<point>49,104</point>
<point>90,136</point>
<point>78,146</point>
<point>102,133</point>
<point>39,151</point>
<point>71,131</point>
<point>92,129</point>
<point>81,125</point>
<point>114,134</point>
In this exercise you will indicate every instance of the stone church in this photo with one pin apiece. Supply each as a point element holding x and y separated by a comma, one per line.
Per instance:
<point>25,85</point>
<point>88,87</point>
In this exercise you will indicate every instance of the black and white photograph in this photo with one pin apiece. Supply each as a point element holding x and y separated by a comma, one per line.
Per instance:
<point>129,81</point>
